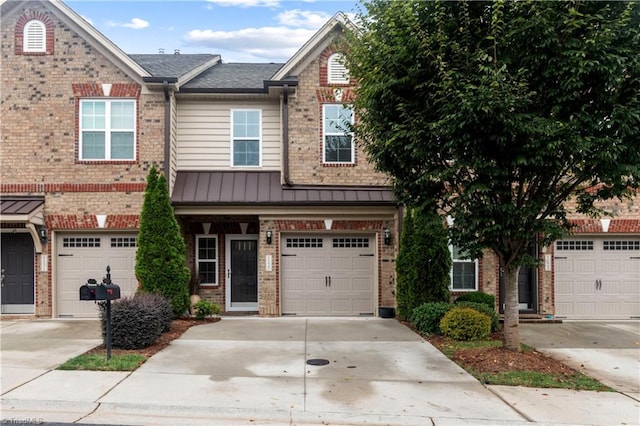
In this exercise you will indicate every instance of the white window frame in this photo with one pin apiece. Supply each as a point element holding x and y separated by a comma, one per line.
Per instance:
<point>34,36</point>
<point>108,129</point>
<point>337,72</point>
<point>214,261</point>
<point>475,271</point>
<point>234,138</point>
<point>325,134</point>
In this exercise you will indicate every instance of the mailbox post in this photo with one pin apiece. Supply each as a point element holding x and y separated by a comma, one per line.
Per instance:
<point>106,291</point>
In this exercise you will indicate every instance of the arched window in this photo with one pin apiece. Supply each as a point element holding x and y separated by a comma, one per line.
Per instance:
<point>337,73</point>
<point>35,39</point>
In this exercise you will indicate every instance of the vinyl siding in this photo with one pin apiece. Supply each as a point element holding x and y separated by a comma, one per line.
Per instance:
<point>204,135</point>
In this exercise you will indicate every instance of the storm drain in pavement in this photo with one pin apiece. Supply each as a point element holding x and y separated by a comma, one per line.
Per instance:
<point>317,361</point>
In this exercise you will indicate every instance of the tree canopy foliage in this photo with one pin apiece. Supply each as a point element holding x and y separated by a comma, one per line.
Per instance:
<point>500,112</point>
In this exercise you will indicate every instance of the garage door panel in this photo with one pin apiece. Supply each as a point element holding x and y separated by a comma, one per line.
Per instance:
<point>336,277</point>
<point>598,278</point>
<point>82,257</point>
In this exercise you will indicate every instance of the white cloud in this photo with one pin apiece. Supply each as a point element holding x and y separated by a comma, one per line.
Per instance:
<point>303,18</point>
<point>135,23</point>
<point>246,3</point>
<point>275,44</point>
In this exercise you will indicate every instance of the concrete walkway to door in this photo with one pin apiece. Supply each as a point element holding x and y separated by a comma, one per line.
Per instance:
<point>257,371</point>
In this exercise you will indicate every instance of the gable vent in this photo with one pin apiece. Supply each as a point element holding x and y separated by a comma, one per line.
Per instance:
<point>34,37</point>
<point>336,70</point>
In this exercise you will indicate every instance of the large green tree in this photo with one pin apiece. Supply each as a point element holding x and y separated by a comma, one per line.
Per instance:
<point>501,112</point>
<point>161,256</point>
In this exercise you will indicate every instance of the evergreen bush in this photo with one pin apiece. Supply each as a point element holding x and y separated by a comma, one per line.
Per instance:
<point>161,305</point>
<point>135,323</point>
<point>426,317</point>
<point>478,297</point>
<point>462,323</point>
<point>161,266</point>
<point>483,308</point>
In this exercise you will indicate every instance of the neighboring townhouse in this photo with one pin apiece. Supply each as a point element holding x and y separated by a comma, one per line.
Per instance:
<point>281,212</point>
<point>82,123</point>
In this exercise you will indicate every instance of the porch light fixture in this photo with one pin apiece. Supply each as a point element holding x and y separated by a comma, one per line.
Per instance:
<point>269,235</point>
<point>387,236</point>
<point>42,232</point>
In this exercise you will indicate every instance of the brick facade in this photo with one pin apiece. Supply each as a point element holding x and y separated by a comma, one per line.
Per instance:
<point>39,148</point>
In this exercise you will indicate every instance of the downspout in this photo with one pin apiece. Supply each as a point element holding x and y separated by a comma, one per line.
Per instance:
<point>285,134</point>
<point>167,131</point>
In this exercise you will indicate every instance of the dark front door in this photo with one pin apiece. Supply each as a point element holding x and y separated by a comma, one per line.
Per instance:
<point>17,273</point>
<point>244,273</point>
<point>527,289</point>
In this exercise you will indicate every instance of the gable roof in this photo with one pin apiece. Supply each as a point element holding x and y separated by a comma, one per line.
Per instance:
<point>181,66</point>
<point>233,77</point>
<point>338,20</point>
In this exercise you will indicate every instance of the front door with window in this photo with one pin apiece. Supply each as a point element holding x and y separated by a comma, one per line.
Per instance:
<point>242,273</point>
<point>17,274</point>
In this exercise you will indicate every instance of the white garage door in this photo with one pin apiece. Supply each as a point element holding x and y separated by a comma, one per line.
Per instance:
<point>328,275</point>
<point>83,256</point>
<point>598,278</point>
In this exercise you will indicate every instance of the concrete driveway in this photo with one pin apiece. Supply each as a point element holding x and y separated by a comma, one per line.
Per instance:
<point>609,352</point>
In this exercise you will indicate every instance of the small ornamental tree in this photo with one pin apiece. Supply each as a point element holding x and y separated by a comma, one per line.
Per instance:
<point>501,113</point>
<point>161,255</point>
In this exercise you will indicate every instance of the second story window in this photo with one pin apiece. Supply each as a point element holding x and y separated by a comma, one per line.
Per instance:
<point>337,141</point>
<point>245,137</point>
<point>34,37</point>
<point>107,129</point>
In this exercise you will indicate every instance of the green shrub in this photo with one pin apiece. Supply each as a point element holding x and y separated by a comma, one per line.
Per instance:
<point>465,324</point>
<point>135,322</point>
<point>426,317</point>
<point>478,297</point>
<point>162,306</point>
<point>482,308</point>
<point>204,308</point>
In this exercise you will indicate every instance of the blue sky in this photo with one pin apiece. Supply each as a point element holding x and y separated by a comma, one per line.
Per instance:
<point>239,30</point>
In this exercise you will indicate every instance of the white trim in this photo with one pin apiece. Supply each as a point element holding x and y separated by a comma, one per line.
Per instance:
<point>325,134</point>
<point>108,130</point>
<point>239,307</point>
<point>216,261</point>
<point>232,137</point>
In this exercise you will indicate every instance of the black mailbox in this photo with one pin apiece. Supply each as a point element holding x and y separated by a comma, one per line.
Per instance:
<point>88,290</point>
<point>107,292</point>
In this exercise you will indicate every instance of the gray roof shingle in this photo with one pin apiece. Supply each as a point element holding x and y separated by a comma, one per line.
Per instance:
<point>234,76</point>
<point>171,65</point>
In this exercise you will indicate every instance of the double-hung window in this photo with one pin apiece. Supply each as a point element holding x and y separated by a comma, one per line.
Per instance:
<point>464,271</point>
<point>107,129</point>
<point>207,259</point>
<point>246,137</point>
<point>337,140</point>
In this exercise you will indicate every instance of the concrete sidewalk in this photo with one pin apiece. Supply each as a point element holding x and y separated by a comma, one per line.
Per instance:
<point>256,371</point>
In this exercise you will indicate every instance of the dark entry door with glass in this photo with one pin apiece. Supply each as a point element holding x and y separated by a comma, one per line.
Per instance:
<point>244,273</point>
<point>17,274</point>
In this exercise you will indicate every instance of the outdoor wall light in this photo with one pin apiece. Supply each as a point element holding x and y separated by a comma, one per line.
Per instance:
<point>269,235</point>
<point>387,236</point>
<point>43,234</point>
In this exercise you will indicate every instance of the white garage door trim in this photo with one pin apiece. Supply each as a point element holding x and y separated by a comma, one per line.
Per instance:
<point>328,274</point>
<point>80,256</point>
<point>598,278</point>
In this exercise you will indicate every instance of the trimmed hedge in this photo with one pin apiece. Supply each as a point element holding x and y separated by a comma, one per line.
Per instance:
<point>135,322</point>
<point>426,317</point>
<point>463,323</point>
<point>484,309</point>
<point>161,304</point>
<point>478,297</point>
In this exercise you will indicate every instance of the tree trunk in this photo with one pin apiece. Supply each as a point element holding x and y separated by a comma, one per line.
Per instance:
<point>511,339</point>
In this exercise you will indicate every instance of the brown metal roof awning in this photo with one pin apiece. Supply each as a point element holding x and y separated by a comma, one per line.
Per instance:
<point>17,209</point>
<point>264,188</point>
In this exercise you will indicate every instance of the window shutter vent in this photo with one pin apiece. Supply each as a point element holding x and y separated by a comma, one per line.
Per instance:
<point>337,72</point>
<point>34,37</point>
